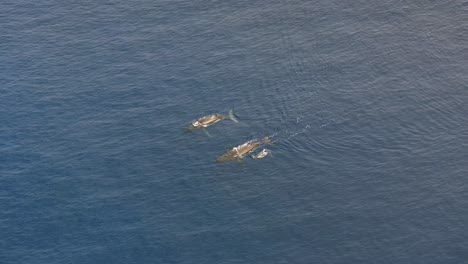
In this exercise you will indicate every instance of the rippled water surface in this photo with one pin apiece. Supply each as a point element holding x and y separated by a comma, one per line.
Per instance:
<point>366,102</point>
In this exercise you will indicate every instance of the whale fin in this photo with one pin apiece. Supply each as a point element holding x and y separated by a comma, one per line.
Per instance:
<point>206,132</point>
<point>232,117</point>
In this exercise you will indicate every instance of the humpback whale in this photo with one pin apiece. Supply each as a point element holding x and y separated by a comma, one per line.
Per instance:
<point>261,154</point>
<point>243,150</point>
<point>209,120</point>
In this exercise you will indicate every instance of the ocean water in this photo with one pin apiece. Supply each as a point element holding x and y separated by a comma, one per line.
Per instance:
<point>367,102</point>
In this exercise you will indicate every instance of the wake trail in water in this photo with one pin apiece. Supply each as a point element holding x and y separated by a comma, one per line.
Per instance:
<point>290,133</point>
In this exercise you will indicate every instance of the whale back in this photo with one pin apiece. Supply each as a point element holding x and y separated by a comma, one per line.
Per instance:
<point>206,120</point>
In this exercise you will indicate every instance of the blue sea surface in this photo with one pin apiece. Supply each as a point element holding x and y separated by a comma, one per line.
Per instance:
<point>366,101</point>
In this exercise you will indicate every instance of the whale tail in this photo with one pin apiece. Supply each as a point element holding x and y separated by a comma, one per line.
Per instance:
<point>232,117</point>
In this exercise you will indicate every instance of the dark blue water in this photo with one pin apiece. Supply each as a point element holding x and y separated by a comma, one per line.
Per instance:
<point>366,102</point>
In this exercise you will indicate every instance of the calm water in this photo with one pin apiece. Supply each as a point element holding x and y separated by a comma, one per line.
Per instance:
<point>366,101</point>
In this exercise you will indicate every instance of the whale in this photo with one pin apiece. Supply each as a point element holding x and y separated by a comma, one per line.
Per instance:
<point>243,150</point>
<point>209,120</point>
<point>261,154</point>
